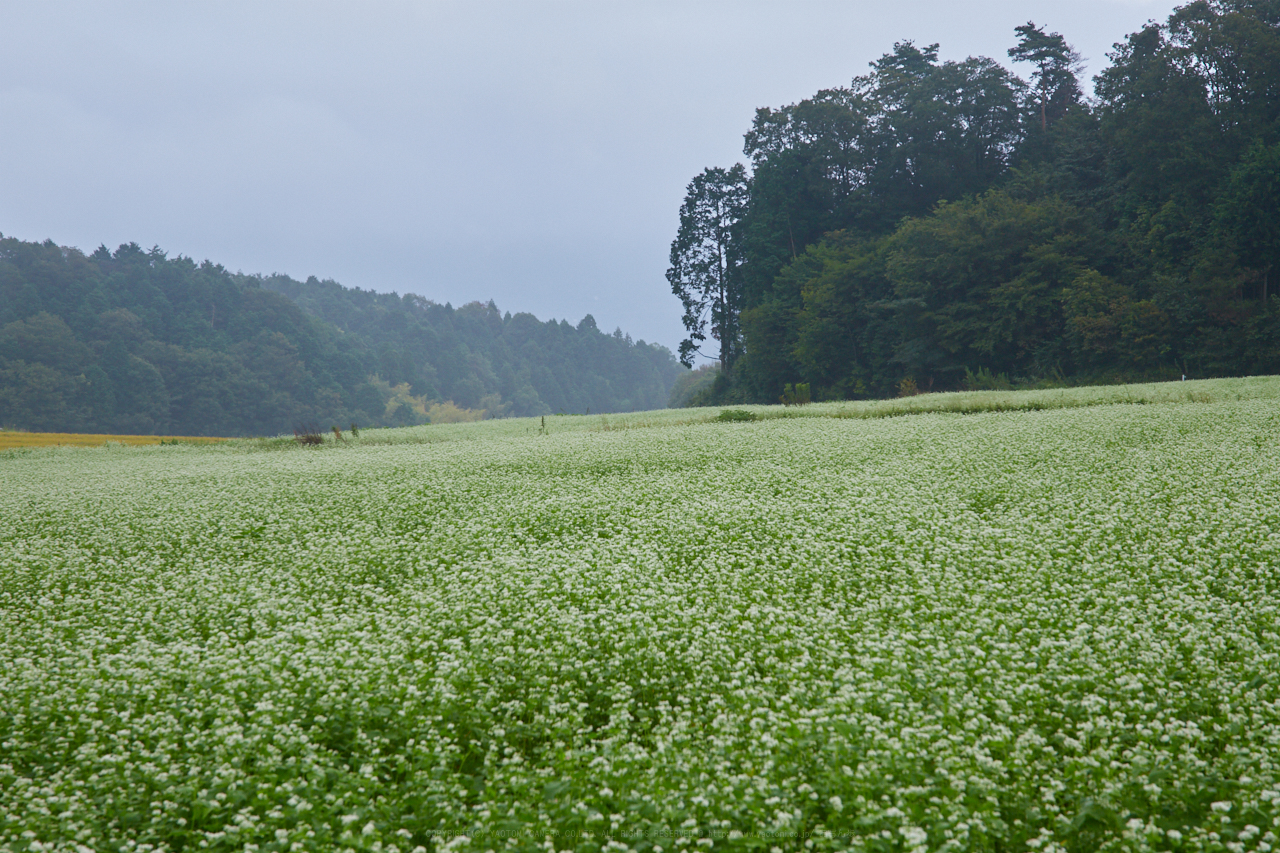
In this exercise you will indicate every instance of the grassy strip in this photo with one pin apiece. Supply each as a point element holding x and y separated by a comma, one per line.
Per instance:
<point>958,403</point>
<point>10,440</point>
<point>978,402</point>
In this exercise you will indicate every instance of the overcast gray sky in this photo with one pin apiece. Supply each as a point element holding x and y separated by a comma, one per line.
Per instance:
<point>533,153</point>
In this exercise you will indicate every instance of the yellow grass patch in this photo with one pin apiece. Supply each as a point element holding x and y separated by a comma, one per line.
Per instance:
<point>10,440</point>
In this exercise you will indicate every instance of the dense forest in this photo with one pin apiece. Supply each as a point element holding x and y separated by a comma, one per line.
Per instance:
<point>940,224</point>
<point>134,342</point>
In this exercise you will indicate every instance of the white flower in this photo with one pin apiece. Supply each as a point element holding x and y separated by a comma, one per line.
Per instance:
<point>670,609</point>
<point>914,835</point>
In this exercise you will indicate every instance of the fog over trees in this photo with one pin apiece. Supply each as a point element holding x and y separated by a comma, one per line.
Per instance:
<point>135,342</point>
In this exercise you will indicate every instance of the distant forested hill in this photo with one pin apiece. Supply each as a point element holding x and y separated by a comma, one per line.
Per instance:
<point>940,224</point>
<point>133,341</point>
<point>469,354</point>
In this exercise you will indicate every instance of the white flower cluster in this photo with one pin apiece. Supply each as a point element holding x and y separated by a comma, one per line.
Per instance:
<point>1054,630</point>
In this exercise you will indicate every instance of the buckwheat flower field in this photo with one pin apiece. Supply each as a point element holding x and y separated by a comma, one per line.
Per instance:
<point>1053,630</point>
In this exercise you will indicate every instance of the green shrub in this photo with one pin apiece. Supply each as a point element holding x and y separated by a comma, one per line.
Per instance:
<point>797,395</point>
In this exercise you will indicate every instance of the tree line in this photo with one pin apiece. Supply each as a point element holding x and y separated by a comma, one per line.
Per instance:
<point>135,342</point>
<point>943,224</point>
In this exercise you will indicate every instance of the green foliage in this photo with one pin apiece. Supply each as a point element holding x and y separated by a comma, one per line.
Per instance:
<point>1248,213</point>
<point>1054,87</point>
<point>706,260</point>
<point>722,389</point>
<point>980,281</point>
<point>983,380</point>
<point>795,395</point>
<point>135,342</point>
<point>691,383</point>
<point>735,416</point>
<point>936,216</point>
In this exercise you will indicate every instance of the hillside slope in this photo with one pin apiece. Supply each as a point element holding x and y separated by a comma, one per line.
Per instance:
<point>133,341</point>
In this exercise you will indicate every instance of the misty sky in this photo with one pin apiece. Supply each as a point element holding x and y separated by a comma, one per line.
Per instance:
<point>531,153</point>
